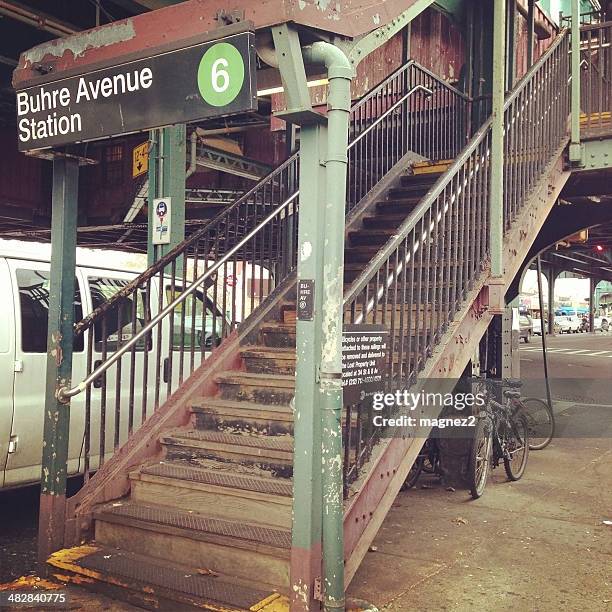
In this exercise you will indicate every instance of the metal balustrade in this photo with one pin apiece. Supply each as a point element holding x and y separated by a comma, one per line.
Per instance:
<point>420,279</point>
<point>596,79</point>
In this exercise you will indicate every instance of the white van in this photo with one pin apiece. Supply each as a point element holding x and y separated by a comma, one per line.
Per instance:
<point>24,286</point>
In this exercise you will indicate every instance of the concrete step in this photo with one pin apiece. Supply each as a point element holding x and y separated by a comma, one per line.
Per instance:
<point>224,493</point>
<point>277,334</point>
<point>269,453</point>
<point>269,360</point>
<point>244,550</point>
<point>253,387</point>
<point>223,415</point>
<point>155,584</point>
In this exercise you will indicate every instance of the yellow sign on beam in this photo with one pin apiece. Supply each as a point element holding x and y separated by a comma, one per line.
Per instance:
<point>140,159</point>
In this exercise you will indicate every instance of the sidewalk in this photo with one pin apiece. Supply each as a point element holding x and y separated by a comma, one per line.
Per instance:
<point>538,544</point>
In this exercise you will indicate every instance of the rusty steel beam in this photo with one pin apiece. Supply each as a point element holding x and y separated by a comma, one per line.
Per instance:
<point>174,25</point>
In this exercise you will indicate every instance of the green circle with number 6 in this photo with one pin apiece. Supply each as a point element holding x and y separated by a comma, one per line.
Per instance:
<point>221,74</point>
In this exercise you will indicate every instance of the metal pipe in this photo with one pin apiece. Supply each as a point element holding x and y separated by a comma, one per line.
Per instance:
<point>64,393</point>
<point>340,74</point>
<point>193,155</point>
<point>37,19</point>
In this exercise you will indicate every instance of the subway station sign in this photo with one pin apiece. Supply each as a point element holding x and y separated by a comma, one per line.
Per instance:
<point>201,81</point>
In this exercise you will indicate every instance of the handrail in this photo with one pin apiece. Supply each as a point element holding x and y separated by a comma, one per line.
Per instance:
<point>166,259</point>
<point>64,394</point>
<point>432,195</point>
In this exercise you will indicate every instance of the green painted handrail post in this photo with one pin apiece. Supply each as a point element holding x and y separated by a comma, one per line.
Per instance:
<point>167,164</point>
<point>59,356</point>
<point>496,223</point>
<point>575,150</point>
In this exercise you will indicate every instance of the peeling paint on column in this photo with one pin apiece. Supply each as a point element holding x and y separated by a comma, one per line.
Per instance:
<point>306,251</point>
<point>77,45</point>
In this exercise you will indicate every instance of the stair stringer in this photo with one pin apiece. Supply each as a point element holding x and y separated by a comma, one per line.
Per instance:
<point>392,458</point>
<point>111,481</point>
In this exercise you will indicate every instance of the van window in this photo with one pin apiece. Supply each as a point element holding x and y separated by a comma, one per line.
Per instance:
<point>34,301</point>
<point>120,314</point>
<point>198,317</point>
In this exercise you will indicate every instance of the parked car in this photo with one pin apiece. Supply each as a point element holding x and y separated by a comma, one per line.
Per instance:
<point>525,327</point>
<point>537,326</point>
<point>24,283</point>
<point>568,324</point>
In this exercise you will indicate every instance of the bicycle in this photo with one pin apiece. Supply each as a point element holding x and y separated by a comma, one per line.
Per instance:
<point>427,461</point>
<point>501,434</point>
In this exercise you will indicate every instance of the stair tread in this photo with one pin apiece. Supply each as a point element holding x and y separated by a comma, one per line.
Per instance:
<point>268,351</point>
<point>240,376</point>
<point>154,577</point>
<point>279,443</point>
<point>217,402</point>
<point>220,478</point>
<point>194,522</point>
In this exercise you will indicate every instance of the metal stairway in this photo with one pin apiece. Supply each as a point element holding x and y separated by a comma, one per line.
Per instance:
<point>197,502</point>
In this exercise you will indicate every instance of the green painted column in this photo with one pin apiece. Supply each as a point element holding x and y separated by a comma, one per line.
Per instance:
<point>307,494</point>
<point>575,150</point>
<point>59,356</point>
<point>497,140</point>
<point>167,165</point>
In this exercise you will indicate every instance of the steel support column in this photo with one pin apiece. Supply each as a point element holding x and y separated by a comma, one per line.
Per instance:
<point>530,32</point>
<point>592,286</point>
<point>552,277</point>
<point>59,356</point>
<point>575,149</point>
<point>167,161</point>
<point>307,491</point>
<point>307,487</point>
<point>497,140</point>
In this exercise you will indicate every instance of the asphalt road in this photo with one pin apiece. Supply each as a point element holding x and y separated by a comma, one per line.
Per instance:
<point>569,356</point>
<point>580,374</point>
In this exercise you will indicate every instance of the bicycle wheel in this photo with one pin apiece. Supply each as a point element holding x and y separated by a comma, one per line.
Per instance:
<point>517,447</point>
<point>414,473</point>
<point>540,422</point>
<point>480,457</point>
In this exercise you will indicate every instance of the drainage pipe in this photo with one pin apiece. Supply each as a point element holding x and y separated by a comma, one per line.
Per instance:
<point>340,74</point>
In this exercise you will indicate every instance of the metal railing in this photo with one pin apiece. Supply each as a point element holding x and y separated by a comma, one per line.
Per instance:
<point>596,79</point>
<point>420,279</point>
<point>145,337</point>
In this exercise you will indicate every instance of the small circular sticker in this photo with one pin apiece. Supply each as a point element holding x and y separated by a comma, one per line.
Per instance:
<point>221,74</point>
